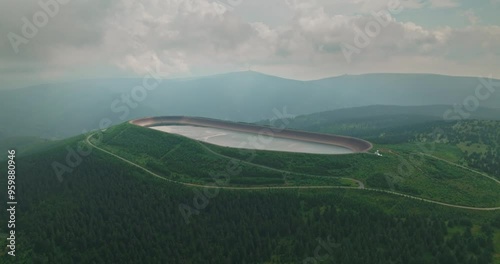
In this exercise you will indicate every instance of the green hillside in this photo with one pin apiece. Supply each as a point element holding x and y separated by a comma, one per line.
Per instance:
<point>108,211</point>
<point>473,143</point>
<point>172,157</point>
<point>141,195</point>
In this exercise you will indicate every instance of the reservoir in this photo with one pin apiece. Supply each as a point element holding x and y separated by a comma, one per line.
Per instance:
<point>235,139</point>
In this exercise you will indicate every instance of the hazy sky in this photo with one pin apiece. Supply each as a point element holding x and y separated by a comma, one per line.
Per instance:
<point>50,40</point>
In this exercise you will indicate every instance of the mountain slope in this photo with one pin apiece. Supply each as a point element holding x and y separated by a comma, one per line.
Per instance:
<point>66,109</point>
<point>107,211</point>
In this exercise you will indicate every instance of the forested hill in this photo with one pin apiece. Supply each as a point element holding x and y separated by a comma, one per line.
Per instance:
<point>106,211</point>
<point>370,120</point>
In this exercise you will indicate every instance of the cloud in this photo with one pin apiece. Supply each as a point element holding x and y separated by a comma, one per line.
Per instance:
<point>471,16</point>
<point>443,3</point>
<point>185,37</point>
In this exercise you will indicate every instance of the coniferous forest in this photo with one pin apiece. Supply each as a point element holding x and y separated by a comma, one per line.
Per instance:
<point>106,211</point>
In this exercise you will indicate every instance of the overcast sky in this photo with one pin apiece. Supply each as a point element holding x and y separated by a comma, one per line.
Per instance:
<point>309,39</point>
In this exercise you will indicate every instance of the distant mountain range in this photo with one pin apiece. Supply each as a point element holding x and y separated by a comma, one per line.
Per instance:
<point>65,109</point>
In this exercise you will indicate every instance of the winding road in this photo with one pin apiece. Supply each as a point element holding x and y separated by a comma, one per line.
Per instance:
<point>360,187</point>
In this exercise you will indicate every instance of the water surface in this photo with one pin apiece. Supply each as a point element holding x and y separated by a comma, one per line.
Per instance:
<point>228,138</point>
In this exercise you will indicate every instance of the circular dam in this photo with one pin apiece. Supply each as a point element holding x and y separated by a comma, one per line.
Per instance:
<point>249,136</point>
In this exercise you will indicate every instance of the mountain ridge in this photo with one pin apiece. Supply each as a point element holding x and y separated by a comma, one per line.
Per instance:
<point>66,109</point>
